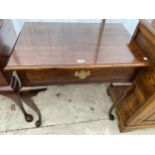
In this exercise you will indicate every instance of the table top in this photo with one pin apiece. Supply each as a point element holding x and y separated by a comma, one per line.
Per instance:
<point>63,45</point>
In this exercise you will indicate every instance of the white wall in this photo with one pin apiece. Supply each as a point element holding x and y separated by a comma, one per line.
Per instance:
<point>129,24</point>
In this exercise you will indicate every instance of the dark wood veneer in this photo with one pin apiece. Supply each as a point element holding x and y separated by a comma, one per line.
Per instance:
<point>56,45</point>
<point>8,88</point>
<point>49,53</point>
<point>59,76</point>
<point>137,109</point>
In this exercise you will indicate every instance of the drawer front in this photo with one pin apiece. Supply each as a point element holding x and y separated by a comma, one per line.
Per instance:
<point>58,76</point>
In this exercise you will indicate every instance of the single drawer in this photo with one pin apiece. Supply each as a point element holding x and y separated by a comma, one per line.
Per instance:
<point>58,76</point>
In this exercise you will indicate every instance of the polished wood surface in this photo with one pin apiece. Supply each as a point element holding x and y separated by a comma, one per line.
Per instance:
<point>8,38</point>
<point>74,45</point>
<point>145,38</point>
<point>8,88</point>
<point>2,79</point>
<point>67,76</point>
<point>150,24</point>
<point>54,53</point>
<point>137,110</point>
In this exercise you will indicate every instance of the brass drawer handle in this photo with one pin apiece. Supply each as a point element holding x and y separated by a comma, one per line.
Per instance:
<point>82,74</point>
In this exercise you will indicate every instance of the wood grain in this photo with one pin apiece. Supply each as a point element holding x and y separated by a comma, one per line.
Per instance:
<point>137,110</point>
<point>48,53</point>
<point>8,38</point>
<point>61,76</point>
<point>145,39</point>
<point>61,45</point>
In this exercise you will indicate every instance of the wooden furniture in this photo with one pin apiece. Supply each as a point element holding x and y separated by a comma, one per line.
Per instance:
<point>6,46</point>
<point>56,53</point>
<point>8,39</point>
<point>53,53</point>
<point>137,108</point>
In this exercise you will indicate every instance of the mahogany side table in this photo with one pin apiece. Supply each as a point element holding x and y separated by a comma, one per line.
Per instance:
<point>58,53</point>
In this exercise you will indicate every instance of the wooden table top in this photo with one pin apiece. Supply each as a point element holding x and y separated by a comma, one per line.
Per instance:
<point>60,45</point>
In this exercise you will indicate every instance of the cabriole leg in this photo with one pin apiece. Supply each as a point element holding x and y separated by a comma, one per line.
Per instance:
<point>17,98</point>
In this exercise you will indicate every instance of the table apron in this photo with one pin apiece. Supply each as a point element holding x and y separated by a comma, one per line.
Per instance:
<point>61,76</point>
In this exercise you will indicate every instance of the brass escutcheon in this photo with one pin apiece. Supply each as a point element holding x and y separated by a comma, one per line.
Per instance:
<point>83,74</point>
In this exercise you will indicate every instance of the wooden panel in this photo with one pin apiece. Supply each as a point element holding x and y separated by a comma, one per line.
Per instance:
<point>137,110</point>
<point>2,80</point>
<point>145,38</point>
<point>53,45</point>
<point>54,76</point>
<point>139,105</point>
<point>149,24</point>
<point>152,117</point>
<point>8,38</point>
<point>145,82</point>
<point>147,45</point>
<point>129,106</point>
